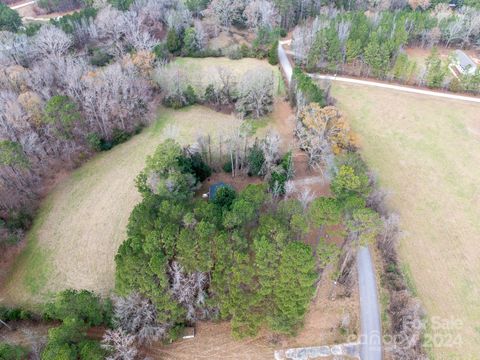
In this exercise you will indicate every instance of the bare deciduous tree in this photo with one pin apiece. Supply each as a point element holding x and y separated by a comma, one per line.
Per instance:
<point>114,97</point>
<point>84,32</point>
<point>201,34</point>
<point>111,26</point>
<point>261,13</point>
<point>290,189</point>
<point>389,236</point>
<point>318,149</point>
<point>137,316</point>
<point>271,152</point>
<point>423,4</point>
<point>50,41</point>
<point>15,49</point>
<point>189,291</point>
<point>226,12</point>
<point>178,18</point>
<point>305,197</point>
<point>227,85</point>
<point>471,23</point>
<point>408,328</point>
<point>173,81</point>
<point>136,34</point>
<point>120,345</point>
<point>255,93</point>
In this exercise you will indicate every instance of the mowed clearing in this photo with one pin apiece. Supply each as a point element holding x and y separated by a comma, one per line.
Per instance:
<point>83,221</point>
<point>426,152</point>
<point>205,71</point>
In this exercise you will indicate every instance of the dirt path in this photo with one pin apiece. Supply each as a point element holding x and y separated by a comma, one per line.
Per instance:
<point>214,341</point>
<point>26,334</point>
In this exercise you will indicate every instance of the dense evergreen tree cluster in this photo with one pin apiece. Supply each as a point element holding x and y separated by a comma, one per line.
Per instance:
<point>307,91</point>
<point>247,243</point>
<point>9,19</point>
<point>12,352</point>
<point>77,311</point>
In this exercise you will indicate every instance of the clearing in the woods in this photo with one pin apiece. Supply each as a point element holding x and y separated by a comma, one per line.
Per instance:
<point>83,220</point>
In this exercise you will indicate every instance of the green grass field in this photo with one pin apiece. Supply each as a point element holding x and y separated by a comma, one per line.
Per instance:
<point>82,222</point>
<point>426,152</point>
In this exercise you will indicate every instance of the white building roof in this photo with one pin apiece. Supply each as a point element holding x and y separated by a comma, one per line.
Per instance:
<point>464,61</point>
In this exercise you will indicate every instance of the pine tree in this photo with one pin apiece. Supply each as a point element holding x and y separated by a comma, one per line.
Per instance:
<point>317,51</point>
<point>377,56</point>
<point>400,69</point>
<point>242,303</point>
<point>266,263</point>
<point>294,287</point>
<point>334,49</point>
<point>325,211</point>
<point>273,54</point>
<point>436,71</point>
<point>174,43</point>
<point>190,43</point>
<point>10,20</point>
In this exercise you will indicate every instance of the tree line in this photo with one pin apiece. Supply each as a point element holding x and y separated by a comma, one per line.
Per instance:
<point>238,256</point>
<point>69,88</point>
<point>374,45</point>
<point>359,206</point>
<point>83,83</point>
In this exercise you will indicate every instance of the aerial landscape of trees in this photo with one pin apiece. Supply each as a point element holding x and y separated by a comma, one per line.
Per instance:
<point>91,79</point>
<point>83,84</point>
<point>357,44</point>
<point>209,248</point>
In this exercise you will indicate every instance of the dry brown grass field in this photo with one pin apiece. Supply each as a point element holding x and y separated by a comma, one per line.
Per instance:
<point>83,220</point>
<point>204,71</point>
<point>426,152</point>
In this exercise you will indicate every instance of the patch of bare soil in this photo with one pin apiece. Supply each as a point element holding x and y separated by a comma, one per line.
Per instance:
<point>283,123</point>
<point>13,2</point>
<point>24,333</point>
<point>225,39</point>
<point>419,53</point>
<point>9,254</point>
<point>214,341</point>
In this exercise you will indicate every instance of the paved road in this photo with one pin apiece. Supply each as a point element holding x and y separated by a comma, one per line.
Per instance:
<point>32,18</point>
<point>370,344</point>
<point>398,88</point>
<point>19,6</point>
<point>371,333</point>
<point>284,62</point>
<point>287,68</point>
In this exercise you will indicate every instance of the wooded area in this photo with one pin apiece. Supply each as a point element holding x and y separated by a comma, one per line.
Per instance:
<point>362,44</point>
<point>90,80</point>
